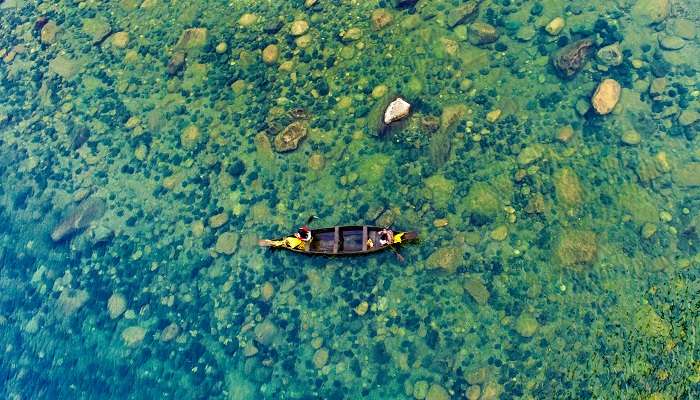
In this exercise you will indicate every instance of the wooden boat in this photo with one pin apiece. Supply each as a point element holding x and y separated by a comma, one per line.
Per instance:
<point>340,240</point>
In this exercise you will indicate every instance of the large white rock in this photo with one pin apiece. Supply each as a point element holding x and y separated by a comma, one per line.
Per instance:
<point>396,110</point>
<point>606,96</point>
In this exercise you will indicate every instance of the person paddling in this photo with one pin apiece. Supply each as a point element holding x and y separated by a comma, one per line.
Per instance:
<point>304,233</point>
<point>386,237</point>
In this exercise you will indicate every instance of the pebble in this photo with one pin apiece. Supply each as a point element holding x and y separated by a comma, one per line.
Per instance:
<point>500,233</point>
<point>565,134</point>
<point>270,54</point>
<point>658,86</point>
<point>671,42</point>
<point>218,220</point>
<point>303,41</point>
<point>265,332</point>
<point>684,28</point>
<point>320,358</point>
<point>473,392</point>
<point>247,19</point>
<point>648,230</point>
<point>170,332</point>
<point>299,28</point>
<point>492,116</point>
<point>529,155</point>
<point>197,228</point>
<point>381,17</point>
<point>316,162</point>
<point>221,48</point>
<point>190,137</point>
<point>526,325</point>
<point>440,222</point>
<point>606,96</point>
<point>250,350</point>
<point>268,291</point>
<point>226,243</point>
<point>120,40</point>
<point>362,308</point>
<point>555,26</point>
<point>650,11</point>
<point>49,33</point>
<point>141,152</point>
<point>351,34</point>
<point>379,91</point>
<point>631,138</point>
<point>437,392</point>
<point>133,335</point>
<point>688,117</point>
<point>116,305</point>
<point>665,216</point>
<point>420,390</point>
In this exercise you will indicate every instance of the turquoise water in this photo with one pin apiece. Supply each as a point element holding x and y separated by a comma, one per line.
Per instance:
<point>550,163</point>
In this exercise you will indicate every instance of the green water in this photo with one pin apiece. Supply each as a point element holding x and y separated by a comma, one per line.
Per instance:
<point>550,163</point>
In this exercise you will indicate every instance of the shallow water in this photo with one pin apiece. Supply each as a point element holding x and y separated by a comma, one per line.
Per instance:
<point>146,146</point>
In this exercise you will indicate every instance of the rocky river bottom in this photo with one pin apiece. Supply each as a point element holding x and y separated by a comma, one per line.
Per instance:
<point>546,152</point>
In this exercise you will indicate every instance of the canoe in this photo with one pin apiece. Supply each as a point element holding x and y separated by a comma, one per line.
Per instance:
<point>341,241</point>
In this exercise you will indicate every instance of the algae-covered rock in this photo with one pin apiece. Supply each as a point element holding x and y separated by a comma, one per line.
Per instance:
<point>116,305</point>
<point>638,203</point>
<point>649,323</point>
<point>192,39</point>
<point>96,28</point>
<point>71,300</point>
<point>568,187</point>
<point>576,247</point>
<point>64,67</point>
<point>133,335</point>
<point>482,203</point>
<point>437,392</point>
<point>476,288</point>
<point>266,332</point>
<point>688,175</point>
<point>530,154</point>
<point>79,218</point>
<point>650,11</point>
<point>461,13</point>
<point>526,325</point>
<point>446,258</point>
<point>226,243</point>
<point>440,190</point>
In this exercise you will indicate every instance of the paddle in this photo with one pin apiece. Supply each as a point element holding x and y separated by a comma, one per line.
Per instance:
<point>311,218</point>
<point>398,256</point>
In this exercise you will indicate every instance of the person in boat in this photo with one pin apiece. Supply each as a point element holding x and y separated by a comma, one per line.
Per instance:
<point>386,237</point>
<point>304,234</point>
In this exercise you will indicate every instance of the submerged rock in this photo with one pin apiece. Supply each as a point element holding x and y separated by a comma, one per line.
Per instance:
<point>176,63</point>
<point>606,96</point>
<point>460,14</point>
<point>116,305</point>
<point>526,325</point>
<point>80,218</point>
<point>226,243</point>
<point>446,258</point>
<point>96,28</point>
<point>650,11</point>
<point>133,335</point>
<point>71,300</point>
<point>266,332</point>
<point>437,392</point>
<point>610,55</point>
<point>567,186</point>
<point>191,39</point>
<point>289,138</point>
<point>482,33</point>
<point>572,58</point>
<point>381,17</point>
<point>576,247</point>
<point>555,26</point>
